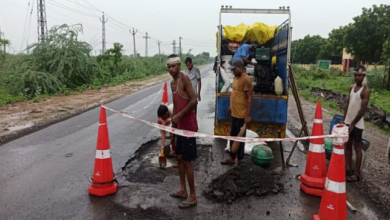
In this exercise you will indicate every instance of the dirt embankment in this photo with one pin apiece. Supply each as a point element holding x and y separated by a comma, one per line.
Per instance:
<point>21,118</point>
<point>373,114</point>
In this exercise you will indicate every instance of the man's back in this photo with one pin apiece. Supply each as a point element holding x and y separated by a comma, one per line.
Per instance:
<point>242,51</point>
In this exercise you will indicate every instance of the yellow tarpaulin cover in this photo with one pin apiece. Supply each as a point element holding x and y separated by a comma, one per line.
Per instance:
<point>259,32</point>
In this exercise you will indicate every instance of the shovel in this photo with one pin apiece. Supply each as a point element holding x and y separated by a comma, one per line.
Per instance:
<point>236,144</point>
<point>162,160</point>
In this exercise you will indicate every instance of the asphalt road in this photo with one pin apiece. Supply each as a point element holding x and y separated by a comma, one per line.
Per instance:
<point>44,175</point>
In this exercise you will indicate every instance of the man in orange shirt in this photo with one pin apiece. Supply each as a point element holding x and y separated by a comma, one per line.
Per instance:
<point>240,108</point>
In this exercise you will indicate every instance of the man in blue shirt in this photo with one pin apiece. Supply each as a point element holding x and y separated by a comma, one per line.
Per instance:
<point>244,52</point>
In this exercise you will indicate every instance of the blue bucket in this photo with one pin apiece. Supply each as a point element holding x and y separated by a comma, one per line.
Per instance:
<point>337,119</point>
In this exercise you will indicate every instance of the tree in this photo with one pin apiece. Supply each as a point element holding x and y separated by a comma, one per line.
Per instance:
<point>112,59</point>
<point>334,44</point>
<point>4,43</point>
<point>365,37</point>
<point>386,51</point>
<point>307,50</point>
<point>64,57</point>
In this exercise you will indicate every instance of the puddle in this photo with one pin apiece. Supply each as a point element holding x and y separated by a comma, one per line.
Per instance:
<point>20,127</point>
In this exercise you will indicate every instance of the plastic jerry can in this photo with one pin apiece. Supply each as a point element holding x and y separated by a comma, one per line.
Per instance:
<point>278,86</point>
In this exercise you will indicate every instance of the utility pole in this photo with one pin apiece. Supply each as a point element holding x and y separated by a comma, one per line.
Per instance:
<point>104,21</point>
<point>174,46</point>
<point>146,44</point>
<point>159,51</point>
<point>133,33</point>
<point>180,38</point>
<point>42,22</point>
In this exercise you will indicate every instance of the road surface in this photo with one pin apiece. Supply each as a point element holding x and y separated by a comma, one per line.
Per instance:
<point>44,175</point>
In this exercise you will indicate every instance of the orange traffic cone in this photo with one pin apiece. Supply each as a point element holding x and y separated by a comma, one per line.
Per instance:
<point>103,182</point>
<point>165,94</point>
<point>313,180</point>
<point>334,199</point>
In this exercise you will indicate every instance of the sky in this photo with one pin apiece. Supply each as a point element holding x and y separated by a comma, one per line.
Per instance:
<point>195,21</point>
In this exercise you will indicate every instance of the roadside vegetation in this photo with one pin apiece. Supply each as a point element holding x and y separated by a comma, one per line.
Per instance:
<point>63,64</point>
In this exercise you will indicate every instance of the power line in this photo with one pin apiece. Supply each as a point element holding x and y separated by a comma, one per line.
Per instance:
<point>29,23</point>
<point>25,25</point>
<point>71,9</point>
<point>133,33</point>
<point>104,21</point>
<point>159,51</point>
<point>146,44</point>
<point>42,22</point>
<point>88,3</point>
<point>180,38</point>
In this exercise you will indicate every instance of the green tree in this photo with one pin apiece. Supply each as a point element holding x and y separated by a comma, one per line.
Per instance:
<point>4,43</point>
<point>365,37</point>
<point>307,50</point>
<point>386,51</point>
<point>334,44</point>
<point>111,60</point>
<point>63,56</point>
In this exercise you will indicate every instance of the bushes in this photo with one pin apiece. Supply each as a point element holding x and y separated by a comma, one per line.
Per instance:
<point>63,64</point>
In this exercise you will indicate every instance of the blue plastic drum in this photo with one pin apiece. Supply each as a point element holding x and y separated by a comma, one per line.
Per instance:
<point>337,119</point>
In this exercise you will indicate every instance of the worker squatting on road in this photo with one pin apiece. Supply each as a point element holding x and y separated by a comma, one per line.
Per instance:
<point>164,114</point>
<point>359,95</point>
<point>184,102</point>
<point>240,108</point>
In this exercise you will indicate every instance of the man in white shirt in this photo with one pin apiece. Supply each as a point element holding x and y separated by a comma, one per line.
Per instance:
<point>359,95</point>
<point>195,77</point>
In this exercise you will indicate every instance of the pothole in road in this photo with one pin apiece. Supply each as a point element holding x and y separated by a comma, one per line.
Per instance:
<point>144,168</point>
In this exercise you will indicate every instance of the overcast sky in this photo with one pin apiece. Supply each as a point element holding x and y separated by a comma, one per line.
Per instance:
<point>195,21</point>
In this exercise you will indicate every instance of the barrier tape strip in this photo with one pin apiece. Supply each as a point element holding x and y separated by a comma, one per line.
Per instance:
<point>154,99</point>
<point>186,133</point>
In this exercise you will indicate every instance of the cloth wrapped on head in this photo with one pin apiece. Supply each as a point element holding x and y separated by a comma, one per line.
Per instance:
<point>173,60</point>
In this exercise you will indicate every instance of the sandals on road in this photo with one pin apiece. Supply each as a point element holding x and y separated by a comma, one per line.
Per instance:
<point>186,205</point>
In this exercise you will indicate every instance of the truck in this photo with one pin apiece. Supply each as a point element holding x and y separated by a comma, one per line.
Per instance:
<point>269,111</point>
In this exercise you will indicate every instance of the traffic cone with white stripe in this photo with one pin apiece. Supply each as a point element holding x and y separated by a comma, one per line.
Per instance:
<point>313,180</point>
<point>334,198</point>
<point>103,181</point>
<point>165,94</point>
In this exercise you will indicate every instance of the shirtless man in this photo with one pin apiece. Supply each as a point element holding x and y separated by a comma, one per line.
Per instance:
<point>184,103</point>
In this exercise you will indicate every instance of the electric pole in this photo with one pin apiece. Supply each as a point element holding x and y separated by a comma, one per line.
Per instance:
<point>104,21</point>
<point>42,22</point>
<point>159,51</point>
<point>174,46</point>
<point>180,38</point>
<point>146,44</point>
<point>133,33</point>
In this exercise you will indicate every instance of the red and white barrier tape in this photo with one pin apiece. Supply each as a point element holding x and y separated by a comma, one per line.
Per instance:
<point>196,134</point>
<point>154,99</point>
